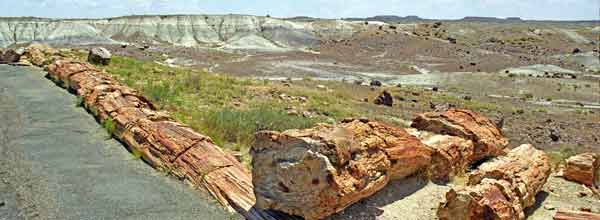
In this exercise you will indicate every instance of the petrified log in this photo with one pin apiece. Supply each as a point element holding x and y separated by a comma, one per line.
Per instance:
<point>491,199</point>
<point>451,155</point>
<point>316,172</point>
<point>501,188</point>
<point>488,139</point>
<point>582,168</point>
<point>562,214</point>
<point>161,141</point>
<point>525,167</point>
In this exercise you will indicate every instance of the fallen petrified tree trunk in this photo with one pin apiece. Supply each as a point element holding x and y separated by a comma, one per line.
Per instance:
<point>582,168</point>
<point>161,141</point>
<point>460,138</point>
<point>488,139</point>
<point>451,156</point>
<point>316,172</point>
<point>501,188</point>
<point>575,215</point>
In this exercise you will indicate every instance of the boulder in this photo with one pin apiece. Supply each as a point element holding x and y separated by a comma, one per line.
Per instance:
<point>99,55</point>
<point>582,168</point>
<point>316,172</point>
<point>376,83</point>
<point>499,189</point>
<point>385,98</point>
<point>488,139</point>
<point>11,55</point>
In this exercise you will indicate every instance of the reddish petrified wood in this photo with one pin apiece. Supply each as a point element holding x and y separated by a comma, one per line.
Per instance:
<point>316,172</point>
<point>161,141</point>
<point>488,139</point>
<point>575,215</point>
<point>582,168</point>
<point>500,189</point>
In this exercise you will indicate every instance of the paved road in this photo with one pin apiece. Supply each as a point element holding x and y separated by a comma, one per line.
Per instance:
<point>56,162</point>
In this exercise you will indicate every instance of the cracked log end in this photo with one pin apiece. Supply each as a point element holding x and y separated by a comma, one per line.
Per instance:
<point>316,172</point>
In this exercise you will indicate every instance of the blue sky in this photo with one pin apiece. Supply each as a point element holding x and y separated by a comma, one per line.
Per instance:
<point>528,9</point>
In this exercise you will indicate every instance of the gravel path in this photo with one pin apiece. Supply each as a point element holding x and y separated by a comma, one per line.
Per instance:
<point>56,162</point>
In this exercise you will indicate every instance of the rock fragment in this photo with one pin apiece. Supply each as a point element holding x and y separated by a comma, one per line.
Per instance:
<point>385,98</point>
<point>316,172</point>
<point>582,168</point>
<point>99,55</point>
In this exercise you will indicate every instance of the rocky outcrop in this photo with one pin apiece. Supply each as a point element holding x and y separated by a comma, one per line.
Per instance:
<point>99,55</point>
<point>225,31</point>
<point>156,137</point>
<point>501,188</point>
<point>316,172</point>
<point>487,138</point>
<point>582,168</point>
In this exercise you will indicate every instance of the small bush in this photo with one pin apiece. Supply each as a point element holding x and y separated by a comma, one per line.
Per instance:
<point>238,126</point>
<point>518,111</point>
<point>110,126</point>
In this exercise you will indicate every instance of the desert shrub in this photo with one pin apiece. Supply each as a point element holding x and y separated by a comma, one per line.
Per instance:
<point>558,157</point>
<point>239,126</point>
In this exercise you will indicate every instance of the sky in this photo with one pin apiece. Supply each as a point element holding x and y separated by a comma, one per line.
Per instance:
<point>440,9</point>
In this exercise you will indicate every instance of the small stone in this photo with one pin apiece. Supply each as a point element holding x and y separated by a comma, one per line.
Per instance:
<point>376,83</point>
<point>549,207</point>
<point>321,87</point>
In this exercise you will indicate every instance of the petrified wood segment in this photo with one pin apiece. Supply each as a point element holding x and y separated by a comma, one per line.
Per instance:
<point>501,188</point>
<point>488,139</point>
<point>451,155</point>
<point>320,171</point>
<point>161,141</point>
<point>575,215</point>
<point>582,168</point>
